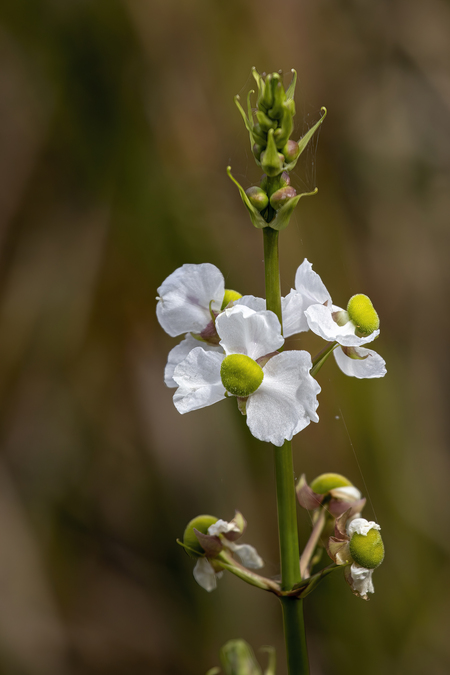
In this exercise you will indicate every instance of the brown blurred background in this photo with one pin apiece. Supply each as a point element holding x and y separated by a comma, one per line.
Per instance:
<point>116,124</point>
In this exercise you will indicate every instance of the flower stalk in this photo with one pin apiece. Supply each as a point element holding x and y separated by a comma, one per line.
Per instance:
<point>293,621</point>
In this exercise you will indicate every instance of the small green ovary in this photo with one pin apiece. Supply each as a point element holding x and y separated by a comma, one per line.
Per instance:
<point>241,375</point>
<point>367,549</point>
<point>328,481</point>
<point>363,314</point>
<point>230,296</point>
<point>201,523</point>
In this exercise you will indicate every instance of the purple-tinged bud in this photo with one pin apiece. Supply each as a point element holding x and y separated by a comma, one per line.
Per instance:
<point>257,197</point>
<point>291,151</point>
<point>281,196</point>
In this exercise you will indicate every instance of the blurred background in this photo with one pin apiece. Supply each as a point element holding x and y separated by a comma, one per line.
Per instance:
<point>116,124</point>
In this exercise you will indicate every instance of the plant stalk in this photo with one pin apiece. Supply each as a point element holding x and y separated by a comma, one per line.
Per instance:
<point>293,622</point>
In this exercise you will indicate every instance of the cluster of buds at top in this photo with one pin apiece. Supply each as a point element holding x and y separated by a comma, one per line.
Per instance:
<point>270,126</point>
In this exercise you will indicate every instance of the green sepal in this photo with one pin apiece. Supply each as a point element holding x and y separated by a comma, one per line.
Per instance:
<point>290,92</point>
<point>265,122</point>
<point>303,142</point>
<point>247,120</point>
<point>283,134</point>
<point>261,87</point>
<point>279,97</point>
<point>267,96</point>
<point>283,216</point>
<point>256,218</point>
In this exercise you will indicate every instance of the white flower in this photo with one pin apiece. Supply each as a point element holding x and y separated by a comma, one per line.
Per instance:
<point>321,317</point>
<point>187,302</point>
<point>279,393</point>
<point>205,575</point>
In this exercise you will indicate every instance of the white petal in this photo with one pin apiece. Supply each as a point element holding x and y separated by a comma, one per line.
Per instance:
<point>222,527</point>
<point>179,353</point>
<point>257,304</point>
<point>286,401</point>
<point>293,312</point>
<point>362,580</point>
<point>198,377</point>
<point>361,526</point>
<point>185,295</point>
<point>204,575</point>
<point>244,331</point>
<point>348,493</point>
<point>292,309</point>
<point>311,286</point>
<point>370,365</point>
<point>321,322</point>
<point>248,554</point>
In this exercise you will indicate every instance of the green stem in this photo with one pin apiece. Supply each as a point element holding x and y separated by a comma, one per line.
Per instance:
<point>294,628</point>
<point>322,356</point>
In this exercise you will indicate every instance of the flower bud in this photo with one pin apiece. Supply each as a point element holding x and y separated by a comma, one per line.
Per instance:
<point>280,197</point>
<point>241,375</point>
<point>265,122</point>
<point>257,197</point>
<point>363,315</point>
<point>257,150</point>
<point>328,481</point>
<point>291,151</point>
<point>200,523</point>
<point>271,160</point>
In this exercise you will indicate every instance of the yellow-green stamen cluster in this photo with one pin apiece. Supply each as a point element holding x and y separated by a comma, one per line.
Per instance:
<point>200,523</point>
<point>367,549</point>
<point>241,375</point>
<point>230,296</point>
<point>363,315</point>
<point>328,481</point>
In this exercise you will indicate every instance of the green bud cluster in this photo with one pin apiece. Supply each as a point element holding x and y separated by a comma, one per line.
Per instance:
<point>270,127</point>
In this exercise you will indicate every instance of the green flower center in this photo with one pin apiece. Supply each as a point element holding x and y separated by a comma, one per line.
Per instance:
<point>240,374</point>
<point>230,296</point>
<point>367,549</point>
<point>328,481</point>
<point>363,315</point>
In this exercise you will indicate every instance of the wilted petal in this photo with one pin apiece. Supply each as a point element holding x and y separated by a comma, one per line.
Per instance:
<point>348,493</point>
<point>361,526</point>
<point>248,554</point>
<point>185,297</point>
<point>311,286</point>
<point>368,365</point>
<point>204,575</point>
<point>210,544</point>
<point>179,353</point>
<point>198,380</point>
<point>286,401</point>
<point>360,580</point>
<point>222,527</point>
<point>244,331</point>
<point>320,320</point>
<point>240,525</point>
<point>339,551</point>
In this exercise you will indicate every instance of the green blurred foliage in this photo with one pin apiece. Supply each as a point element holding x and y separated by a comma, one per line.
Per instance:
<point>116,124</point>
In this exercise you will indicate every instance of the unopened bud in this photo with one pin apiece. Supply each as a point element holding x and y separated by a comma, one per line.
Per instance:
<point>291,151</point>
<point>271,160</point>
<point>257,197</point>
<point>281,196</point>
<point>200,523</point>
<point>257,150</point>
<point>328,481</point>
